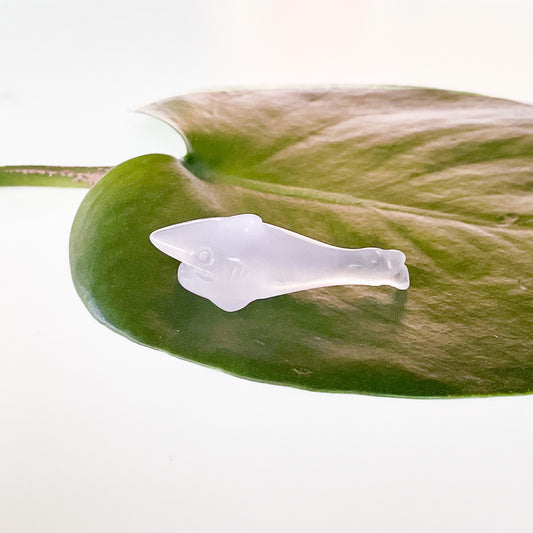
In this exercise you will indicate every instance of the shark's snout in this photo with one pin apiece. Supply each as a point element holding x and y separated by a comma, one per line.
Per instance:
<point>166,240</point>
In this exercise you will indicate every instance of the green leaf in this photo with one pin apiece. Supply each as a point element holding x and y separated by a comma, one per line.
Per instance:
<point>51,176</point>
<point>445,177</point>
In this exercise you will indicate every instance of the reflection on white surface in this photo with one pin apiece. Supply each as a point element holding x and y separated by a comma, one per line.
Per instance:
<point>100,434</point>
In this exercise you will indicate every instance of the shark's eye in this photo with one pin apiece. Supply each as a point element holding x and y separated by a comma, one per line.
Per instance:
<point>205,256</point>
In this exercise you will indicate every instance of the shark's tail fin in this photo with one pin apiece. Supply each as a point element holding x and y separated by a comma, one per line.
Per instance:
<point>399,275</point>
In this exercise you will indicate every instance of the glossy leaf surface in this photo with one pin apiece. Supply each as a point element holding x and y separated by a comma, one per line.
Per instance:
<point>445,177</point>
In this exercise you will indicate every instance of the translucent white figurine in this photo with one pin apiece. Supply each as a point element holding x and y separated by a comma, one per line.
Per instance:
<point>233,261</point>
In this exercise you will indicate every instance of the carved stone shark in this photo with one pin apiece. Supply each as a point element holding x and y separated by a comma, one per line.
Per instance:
<point>235,260</point>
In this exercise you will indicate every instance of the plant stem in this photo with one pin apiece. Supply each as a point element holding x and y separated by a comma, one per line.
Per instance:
<point>45,176</point>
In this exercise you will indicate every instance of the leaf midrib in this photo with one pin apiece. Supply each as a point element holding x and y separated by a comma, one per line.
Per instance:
<point>202,172</point>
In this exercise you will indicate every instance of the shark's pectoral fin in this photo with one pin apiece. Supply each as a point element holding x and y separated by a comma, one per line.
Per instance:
<point>230,305</point>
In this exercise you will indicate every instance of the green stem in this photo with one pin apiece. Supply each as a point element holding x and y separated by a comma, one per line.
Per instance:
<point>51,176</point>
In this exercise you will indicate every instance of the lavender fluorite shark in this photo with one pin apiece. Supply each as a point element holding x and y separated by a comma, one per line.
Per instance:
<point>235,260</point>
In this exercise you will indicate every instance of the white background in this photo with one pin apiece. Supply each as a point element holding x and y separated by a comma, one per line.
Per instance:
<point>98,434</point>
